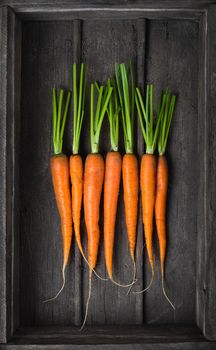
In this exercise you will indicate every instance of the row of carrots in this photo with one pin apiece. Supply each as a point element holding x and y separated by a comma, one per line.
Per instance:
<point>73,184</point>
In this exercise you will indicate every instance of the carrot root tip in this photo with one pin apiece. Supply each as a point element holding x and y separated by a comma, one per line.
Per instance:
<point>164,293</point>
<point>60,290</point>
<point>87,302</point>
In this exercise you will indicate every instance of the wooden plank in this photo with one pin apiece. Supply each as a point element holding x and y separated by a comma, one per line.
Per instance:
<point>202,137</point>
<point>108,335</point>
<point>61,10</point>
<point>111,3</point>
<point>105,43</point>
<point>209,287</point>
<point>154,346</point>
<point>9,33</point>
<point>107,13</point>
<point>14,87</point>
<point>172,62</point>
<point>3,154</point>
<point>46,62</point>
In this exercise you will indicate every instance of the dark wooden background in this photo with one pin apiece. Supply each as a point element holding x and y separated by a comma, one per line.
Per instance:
<point>172,44</point>
<point>164,52</point>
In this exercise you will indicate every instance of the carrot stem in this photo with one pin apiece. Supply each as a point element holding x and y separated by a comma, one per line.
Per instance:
<point>166,112</point>
<point>146,116</point>
<point>78,104</point>
<point>113,115</point>
<point>96,119</point>
<point>126,93</point>
<point>59,121</point>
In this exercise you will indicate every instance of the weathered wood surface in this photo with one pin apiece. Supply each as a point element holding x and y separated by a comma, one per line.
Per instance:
<point>3,169</point>
<point>209,288</point>
<point>123,3</point>
<point>170,52</point>
<point>9,107</point>
<point>47,60</point>
<point>202,184</point>
<point>153,346</point>
<point>48,53</point>
<point>173,63</point>
<point>109,334</point>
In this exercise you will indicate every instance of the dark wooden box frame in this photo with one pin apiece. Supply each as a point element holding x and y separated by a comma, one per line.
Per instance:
<point>11,15</point>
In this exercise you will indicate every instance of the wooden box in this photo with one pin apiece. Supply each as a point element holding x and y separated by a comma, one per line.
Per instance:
<point>172,43</point>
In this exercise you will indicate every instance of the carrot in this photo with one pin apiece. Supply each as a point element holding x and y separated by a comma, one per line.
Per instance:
<point>112,180</point>
<point>126,93</point>
<point>93,181</point>
<point>76,176</point>
<point>113,166</point>
<point>111,192</point>
<point>148,168</point>
<point>130,185</point>
<point>76,163</point>
<point>160,207</point>
<point>148,189</point>
<point>162,183</point>
<point>60,177</point>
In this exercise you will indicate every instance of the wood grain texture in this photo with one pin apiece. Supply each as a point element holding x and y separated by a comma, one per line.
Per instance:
<point>123,3</point>
<point>209,241</point>
<point>3,160</point>
<point>173,63</point>
<point>128,9</point>
<point>201,147</point>
<point>9,73</point>
<point>108,335</point>
<point>13,220</point>
<point>177,52</point>
<point>137,346</point>
<point>153,346</point>
<point>46,62</point>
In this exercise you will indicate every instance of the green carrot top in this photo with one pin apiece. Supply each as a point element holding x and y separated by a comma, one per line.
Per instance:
<point>165,122</point>
<point>126,93</point>
<point>97,116</point>
<point>78,105</point>
<point>149,128</point>
<point>59,120</point>
<point>113,115</point>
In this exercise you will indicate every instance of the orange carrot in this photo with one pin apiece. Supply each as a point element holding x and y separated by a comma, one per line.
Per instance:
<point>130,186</point>
<point>162,182</point>
<point>148,169</point>
<point>126,93</point>
<point>76,175</point>
<point>76,164</point>
<point>60,176</point>
<point>148,189</point>
<point>113,169</point>
<point>93,181</point>
<point>160,207</point>
<point>111,193</point>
